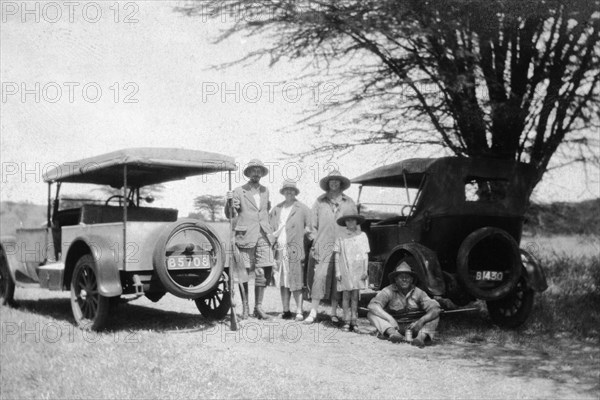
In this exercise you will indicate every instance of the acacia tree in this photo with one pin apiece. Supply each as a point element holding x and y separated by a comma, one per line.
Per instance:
<point>510,79</point>
<point>211,203</point>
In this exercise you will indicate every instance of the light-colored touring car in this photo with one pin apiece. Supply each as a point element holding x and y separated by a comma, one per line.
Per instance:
<point>119,247</point>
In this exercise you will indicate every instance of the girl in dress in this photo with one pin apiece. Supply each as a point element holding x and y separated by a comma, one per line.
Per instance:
<point>351,252</point>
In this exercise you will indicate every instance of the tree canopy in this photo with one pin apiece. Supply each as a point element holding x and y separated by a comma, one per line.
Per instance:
<point>509,79</point>
<point>213,204</point>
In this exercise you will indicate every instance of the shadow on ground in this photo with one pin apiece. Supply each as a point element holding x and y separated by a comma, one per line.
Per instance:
<point>123,317</point>
<point>520,353</point>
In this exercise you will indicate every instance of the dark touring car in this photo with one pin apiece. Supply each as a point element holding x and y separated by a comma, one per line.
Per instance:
<point>460,232</point>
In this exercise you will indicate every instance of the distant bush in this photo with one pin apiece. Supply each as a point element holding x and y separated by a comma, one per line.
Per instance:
<point>14,215</point>
<point>582,218</point>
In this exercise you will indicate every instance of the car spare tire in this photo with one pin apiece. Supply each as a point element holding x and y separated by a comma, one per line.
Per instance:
<point>189,259</point>
<point>489,263</point>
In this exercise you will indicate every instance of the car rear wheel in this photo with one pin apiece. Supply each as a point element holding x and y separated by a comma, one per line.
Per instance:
<point>513,310</point>
<point>90,308</point>
<point>216,305</point>
<point>489,263</point>
<point>7,286</point>
<point>189,259</point>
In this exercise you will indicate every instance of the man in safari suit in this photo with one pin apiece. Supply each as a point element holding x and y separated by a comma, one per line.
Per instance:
<point>249,205</point>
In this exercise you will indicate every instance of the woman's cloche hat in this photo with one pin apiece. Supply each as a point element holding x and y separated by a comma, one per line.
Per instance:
<point>289,185</point>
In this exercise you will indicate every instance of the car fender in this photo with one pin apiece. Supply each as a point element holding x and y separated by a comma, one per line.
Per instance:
<point>106,263</point>
<point>10,251</point>
<point>428,268</point>
<point>534,274</point>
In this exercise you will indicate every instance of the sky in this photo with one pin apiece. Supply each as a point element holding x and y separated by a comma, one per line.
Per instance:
<point>84,78</point>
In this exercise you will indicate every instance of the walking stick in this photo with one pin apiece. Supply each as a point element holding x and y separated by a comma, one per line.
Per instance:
<point>233,322</point>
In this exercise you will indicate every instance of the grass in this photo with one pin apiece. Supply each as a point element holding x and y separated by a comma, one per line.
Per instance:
<point>167,350</point>
<point>569,307</point>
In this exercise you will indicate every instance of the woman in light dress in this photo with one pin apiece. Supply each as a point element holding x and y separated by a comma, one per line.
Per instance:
<point>290,220</point>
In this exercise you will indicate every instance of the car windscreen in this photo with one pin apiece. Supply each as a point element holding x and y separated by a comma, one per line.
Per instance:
<point>386,202</point>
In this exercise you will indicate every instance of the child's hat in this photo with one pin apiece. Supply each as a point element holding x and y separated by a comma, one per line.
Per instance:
<point>342,220</point>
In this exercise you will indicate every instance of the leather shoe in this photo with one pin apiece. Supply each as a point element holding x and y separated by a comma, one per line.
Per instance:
<point>396,338</point>
<point>287,315</point>
<point>260,314</point>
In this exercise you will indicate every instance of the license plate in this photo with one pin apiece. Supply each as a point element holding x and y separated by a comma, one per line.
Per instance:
<point>489,276</point>
<point>189,262</point>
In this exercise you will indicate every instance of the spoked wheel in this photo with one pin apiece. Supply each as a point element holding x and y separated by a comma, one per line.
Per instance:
<point>7,286</point>
<point>215,305</point>
<point>513,310</point>
<point>90,308</point>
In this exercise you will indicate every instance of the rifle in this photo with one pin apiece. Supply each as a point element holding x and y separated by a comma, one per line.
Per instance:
<point>233,325</point>
<point>410,316</point>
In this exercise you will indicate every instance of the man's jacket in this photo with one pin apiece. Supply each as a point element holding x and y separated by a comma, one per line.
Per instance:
<point>251,217</point>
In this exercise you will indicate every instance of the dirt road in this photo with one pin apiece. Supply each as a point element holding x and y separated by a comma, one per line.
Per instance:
<point>165,350</point>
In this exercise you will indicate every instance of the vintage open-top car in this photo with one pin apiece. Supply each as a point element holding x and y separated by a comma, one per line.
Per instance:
<point>103,251</point>
<point>459,229</point>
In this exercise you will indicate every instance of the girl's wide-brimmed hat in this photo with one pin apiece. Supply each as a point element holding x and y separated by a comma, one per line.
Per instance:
<point>342,220</point>
<point>335,175</point>
<point>403,268</point>
<point>289,185</point>
<point>256,163</point>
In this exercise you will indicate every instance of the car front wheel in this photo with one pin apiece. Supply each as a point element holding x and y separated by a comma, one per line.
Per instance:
<point>215,305</point>
<point>513,310</point>
<point>90,308</point>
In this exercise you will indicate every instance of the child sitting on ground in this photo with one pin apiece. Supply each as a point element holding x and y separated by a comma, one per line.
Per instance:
<point>351,251</point>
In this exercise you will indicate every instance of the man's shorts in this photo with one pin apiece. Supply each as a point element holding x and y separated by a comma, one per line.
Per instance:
<point>253,258</point>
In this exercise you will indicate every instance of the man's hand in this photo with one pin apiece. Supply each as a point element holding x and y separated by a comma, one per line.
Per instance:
<point>235,202</point>
<point>338,277</point>
<point>417,325</point>
<point>364,277</point>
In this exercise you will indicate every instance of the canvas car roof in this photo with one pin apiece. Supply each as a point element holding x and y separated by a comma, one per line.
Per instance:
<point>145,166</point>
<point>392,175</point>
<point>443,193</point>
